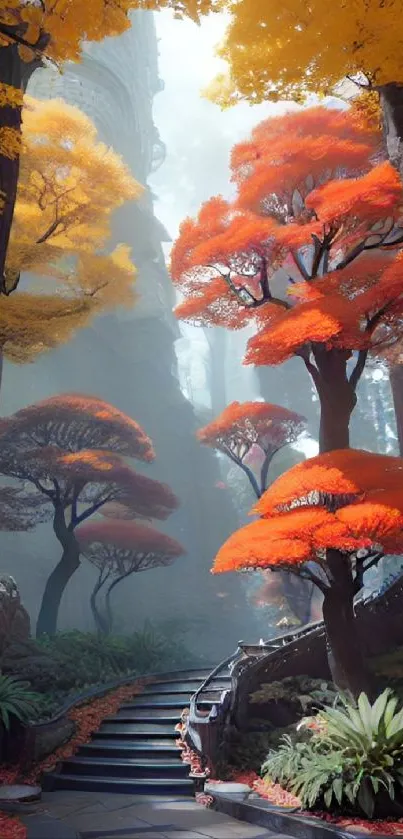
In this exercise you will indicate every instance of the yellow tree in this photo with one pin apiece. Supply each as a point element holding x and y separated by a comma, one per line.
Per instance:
<point>70,185</point>
<point>290,49</point>
<point>34,31</point>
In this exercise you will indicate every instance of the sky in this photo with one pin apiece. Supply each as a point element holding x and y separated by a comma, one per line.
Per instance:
<point>198,138</point>
<point>197,133</point>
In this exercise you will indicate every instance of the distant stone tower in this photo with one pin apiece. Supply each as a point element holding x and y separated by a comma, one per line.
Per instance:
<point>129,359</point>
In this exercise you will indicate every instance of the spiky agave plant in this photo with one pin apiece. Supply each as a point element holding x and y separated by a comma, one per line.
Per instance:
<point>354,753</point>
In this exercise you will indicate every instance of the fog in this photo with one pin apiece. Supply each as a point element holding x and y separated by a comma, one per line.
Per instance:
<point>143,94</point>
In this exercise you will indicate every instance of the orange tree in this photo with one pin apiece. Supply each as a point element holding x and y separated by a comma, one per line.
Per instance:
<point>72,450</point>
<point>252,428</point>
<point>119,549</point>
<point>339,512</point>
<point>245,425</point>
<point>309,251</point>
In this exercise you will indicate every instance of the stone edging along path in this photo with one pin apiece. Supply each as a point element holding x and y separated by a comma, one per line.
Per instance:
<point>260,812</point>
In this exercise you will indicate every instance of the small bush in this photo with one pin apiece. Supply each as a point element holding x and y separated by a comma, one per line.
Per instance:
<point>305,693</point>
<point>70,662</point>
<point>353,757</point>
<point>16,701</point>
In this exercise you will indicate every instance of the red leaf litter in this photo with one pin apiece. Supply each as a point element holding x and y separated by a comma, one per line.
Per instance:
<point>11,827</point>
<point>87,718</point>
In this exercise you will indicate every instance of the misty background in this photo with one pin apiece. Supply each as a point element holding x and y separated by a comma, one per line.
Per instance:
<point>143,93</point>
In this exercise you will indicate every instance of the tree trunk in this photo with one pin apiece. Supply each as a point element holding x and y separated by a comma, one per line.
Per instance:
<point>337,400</point>
<point>14,72</point>
<point>60,576</point>
<point>99,620</point>
<point>396,383</point>
<point>345,657</point>
<point>391,99</point>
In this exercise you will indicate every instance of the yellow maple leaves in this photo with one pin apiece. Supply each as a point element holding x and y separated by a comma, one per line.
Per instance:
<point>286,50</point>
<point>69,186</point>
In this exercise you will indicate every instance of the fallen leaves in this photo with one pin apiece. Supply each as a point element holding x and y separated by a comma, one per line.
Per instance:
<point>88,719</point>
<point>11,827</point>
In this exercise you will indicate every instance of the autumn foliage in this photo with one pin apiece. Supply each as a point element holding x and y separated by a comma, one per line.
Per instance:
<point>72,451</point>
<point>346,500</point>
<point>243,425</point>
<point>340,512</point>
<point>309,251</point>
<point>128,543</point>
<point>119,549</point>
<point>61,225</point>
<point>284,52</point>
<point>252,428</point>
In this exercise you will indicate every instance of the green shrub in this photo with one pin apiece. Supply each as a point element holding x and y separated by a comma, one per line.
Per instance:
<point>70,662</point>
<point>353,757</point>
<point>303,692</point>
<point>16,700</point>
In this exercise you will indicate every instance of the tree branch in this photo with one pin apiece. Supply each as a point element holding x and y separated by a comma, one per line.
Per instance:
<point>358,369</point>
<point>91,510</point>
<point>252,480</point>
<point>300,265</point>
<point>265,468</point>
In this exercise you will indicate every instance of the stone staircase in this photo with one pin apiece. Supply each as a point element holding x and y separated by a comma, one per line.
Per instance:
<point>134,751</point>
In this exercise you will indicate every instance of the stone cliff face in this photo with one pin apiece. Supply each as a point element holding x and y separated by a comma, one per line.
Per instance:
<point>129,359</point>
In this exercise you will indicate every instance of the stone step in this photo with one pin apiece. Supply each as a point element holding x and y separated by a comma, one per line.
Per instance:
<point>131,786</point>
<point>138,729</point>
<point>154,716</point>
<point>152,748</point>
<point>127,767</point>
<point>149,712</point>
<point>189,686</point>
<point>171,700</point>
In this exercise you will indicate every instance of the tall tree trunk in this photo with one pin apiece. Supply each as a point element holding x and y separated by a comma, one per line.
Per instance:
<point>100,621</point>
<point>337,400</point>
<point>14,72</point>
<point>108,604</point>
<point>391,99</point>
<point>396,383</point>
<point>60,576</point>
<point>345,657</point>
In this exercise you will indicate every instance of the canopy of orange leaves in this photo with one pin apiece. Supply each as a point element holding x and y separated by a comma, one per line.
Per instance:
<point>76,421</point>
<point>291,253</point>
<point>126,546</point>
<point>242,425</point>
<point>345,500</point>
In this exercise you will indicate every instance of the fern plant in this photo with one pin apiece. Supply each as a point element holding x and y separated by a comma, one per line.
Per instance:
<point>16,700</point>
<point>354,754</point>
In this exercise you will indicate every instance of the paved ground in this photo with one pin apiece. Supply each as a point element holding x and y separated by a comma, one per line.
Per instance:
<point>109,816</point>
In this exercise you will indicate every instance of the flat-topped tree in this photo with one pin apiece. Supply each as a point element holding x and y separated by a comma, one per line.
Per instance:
<point>309,251</point>
<point>71,449</point>
<point>69,186</point>
<point>341,512</point>
<point>118,549</point>
<point>249,429</point>
<point>246,425</point>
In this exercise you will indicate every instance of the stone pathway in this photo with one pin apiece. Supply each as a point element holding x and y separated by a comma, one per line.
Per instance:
<point>97,815</point>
